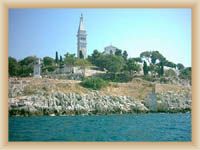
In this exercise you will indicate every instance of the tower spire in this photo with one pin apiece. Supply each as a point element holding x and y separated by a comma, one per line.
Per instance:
<point>81,40</point>
<point>81,25</point>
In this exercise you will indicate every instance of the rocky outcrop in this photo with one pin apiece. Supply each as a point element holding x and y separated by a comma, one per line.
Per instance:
<point>169,102</point>
<point>62,97</point>
<point>69,104</point>
<point>173,102</point>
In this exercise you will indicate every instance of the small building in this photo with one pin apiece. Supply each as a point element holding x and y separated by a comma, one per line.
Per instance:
<point>67,69</point>
<point>110,49</point>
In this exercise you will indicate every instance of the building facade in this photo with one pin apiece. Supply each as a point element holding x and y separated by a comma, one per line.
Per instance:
<point>110,49</point>
<point>81,40</point>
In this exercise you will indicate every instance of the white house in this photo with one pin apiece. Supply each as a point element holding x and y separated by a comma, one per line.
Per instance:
<point>110,49</point>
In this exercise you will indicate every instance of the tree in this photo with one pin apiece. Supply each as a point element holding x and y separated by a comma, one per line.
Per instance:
<point>13,67</point>
<point>61,60</point>
<point>30,60</point>
<point>155,55</point>
<point>48,64</point>
<point>161,69</point>
<point>112,63</point>
<point>138,59</point>
<point>81,55</point>
<point>70,59</point>
<point>48,61</point>
<point>180,66</point>
<point>145,68</point>
<point>118,52</point>
<point>93,58</point>
<point>26,66</point>
<point>56,59</point>
<point>170,73</point>
<point>152,57</point>
<point>146,55</point>
<point>156,62</point>
<point>94,83</point>
<point>169,64</point>
<point>186,73</point>
<point>83,63</point>
<point>125,55</point>
<point>132,66</point>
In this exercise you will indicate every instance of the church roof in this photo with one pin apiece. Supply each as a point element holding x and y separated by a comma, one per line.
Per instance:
<point>110,46</point>
<point>81,25</point>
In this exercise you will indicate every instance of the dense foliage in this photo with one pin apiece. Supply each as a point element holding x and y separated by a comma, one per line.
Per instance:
<point>13,66</point>
<point>21,68</point>
<point>49,64</point>
<point>117,77</point>
<point>94,83</point>
<point>132,66</point>
<point>118,67</point>
<point>145,68</point>
<point>186,73</point>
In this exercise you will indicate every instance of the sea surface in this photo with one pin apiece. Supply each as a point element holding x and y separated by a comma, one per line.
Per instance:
<point>126,127</point>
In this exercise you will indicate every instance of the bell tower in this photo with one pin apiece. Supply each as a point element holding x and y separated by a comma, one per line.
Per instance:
<point>81,40</point>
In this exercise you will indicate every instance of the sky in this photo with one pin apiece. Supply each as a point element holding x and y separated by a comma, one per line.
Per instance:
<point>42,32</point>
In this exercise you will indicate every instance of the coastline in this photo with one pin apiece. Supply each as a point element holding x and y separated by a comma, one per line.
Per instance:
<point>48,99</point>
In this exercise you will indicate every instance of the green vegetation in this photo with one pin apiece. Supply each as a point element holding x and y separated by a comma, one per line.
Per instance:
<point>180,66</point>
<point>56,59</point>
<point>94,83</point>
<point>13,66</point>
<point>81,55</point>
<point>49,64</point>
<point>111,63</point>
<point>118,67</point>
<point>21,68</point>
<point>132,66</point>
<point>170,73</point>
<point>186,73</point>
<point>145,68</point>
<point>117,77</point>
<point>70,59</point>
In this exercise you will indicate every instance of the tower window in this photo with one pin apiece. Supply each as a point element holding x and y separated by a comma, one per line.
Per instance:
<point>83,38</point>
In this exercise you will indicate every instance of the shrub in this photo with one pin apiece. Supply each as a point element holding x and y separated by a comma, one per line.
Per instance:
<point>149,78</point>
<point>95,83</point>
<point>117,77</point>
<point>170,73</point>
<point>186,73</point>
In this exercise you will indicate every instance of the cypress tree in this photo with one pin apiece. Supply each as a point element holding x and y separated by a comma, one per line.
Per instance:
<point>56,59</point>
<point>61,60</point>
<point>145,68</point>
<point>161,69</point>
<point>81,55</point>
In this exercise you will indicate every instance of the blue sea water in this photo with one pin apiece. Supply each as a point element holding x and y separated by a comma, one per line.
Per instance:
<point>126,127</point>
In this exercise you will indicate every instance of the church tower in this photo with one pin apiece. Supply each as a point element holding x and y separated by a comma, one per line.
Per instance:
<point>81,40</point>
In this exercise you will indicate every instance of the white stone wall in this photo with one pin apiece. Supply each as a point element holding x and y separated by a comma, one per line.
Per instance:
<point>37,69</point>
<point>110,50</point>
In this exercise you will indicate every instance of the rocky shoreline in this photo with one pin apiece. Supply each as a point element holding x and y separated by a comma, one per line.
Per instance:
<point>93,103</point>
<point>75,104</point>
